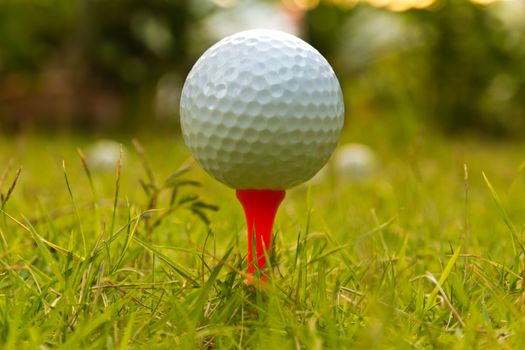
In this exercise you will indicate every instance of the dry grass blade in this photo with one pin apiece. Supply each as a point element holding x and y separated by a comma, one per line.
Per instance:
<point>86,170</point>
<point>117,190</point>
<point>5,173</point>
<point>142,155</point>
<point>11,188</point>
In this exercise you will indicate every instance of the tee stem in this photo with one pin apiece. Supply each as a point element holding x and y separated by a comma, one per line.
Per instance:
<point>260,207</point>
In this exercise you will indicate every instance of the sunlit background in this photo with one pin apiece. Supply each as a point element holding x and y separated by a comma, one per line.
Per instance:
<point>455,66</point>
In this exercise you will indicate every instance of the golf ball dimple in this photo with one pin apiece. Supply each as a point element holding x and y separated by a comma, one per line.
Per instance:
<point>261,109</point>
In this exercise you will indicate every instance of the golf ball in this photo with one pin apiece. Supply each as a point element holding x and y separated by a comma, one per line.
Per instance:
<point>104,155</point>
<point>261,109</point>
<point>355,162</point>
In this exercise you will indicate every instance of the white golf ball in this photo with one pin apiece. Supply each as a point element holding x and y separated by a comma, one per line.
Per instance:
<point>104,155</point>
<point>355,162</point>
<point>351,163</point>
<point>261,109</point>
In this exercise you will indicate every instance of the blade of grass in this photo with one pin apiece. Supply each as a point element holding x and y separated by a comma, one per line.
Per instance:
<point>117,189</point>
<point>29,228</point>
<point>142,155</point>
<point>84,247</point>
<point>129,238</point>
<point>442,279</point>
<point>11,188</point>
<point>87,171</point>
<point>175,266</point>
<point>513,232</point>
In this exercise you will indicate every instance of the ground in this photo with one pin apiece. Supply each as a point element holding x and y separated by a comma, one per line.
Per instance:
<point>424,253</point>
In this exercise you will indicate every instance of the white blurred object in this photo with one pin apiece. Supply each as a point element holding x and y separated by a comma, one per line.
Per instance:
<point>352,162</point>
<point>249,14</point>
<point>355,162</point>
<point>511,13</point>
<point>103,155</point>
<point>372,32</point>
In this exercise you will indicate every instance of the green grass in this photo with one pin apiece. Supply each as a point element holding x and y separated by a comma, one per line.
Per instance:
<point>428,253</point>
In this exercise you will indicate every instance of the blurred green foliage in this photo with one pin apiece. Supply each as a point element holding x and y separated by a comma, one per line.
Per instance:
<point>111,34</point>
<point>477,73</point>
<point>456,65</point>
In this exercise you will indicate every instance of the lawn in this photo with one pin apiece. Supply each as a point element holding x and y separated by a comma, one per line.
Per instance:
<point>425,253</point>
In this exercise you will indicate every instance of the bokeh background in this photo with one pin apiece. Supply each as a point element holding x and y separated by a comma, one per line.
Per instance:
<point>454,66</point>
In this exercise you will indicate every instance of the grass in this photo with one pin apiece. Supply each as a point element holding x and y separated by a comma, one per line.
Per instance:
<point>427,253</point>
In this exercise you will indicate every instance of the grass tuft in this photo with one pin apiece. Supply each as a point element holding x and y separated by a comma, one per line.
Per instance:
<point>417,256</point>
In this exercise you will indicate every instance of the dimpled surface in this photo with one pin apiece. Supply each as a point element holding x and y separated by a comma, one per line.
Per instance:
<point>261,109</point>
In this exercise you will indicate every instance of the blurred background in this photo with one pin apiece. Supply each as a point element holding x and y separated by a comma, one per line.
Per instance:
<point>455,66</point>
